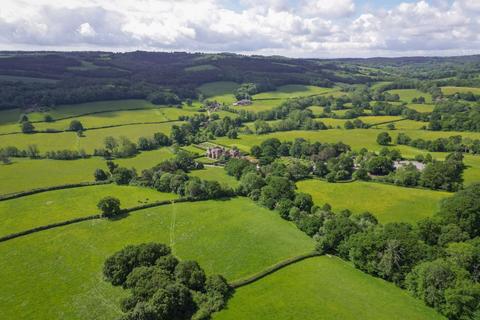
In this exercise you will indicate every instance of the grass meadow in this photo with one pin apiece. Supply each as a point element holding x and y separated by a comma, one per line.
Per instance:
<point>25,174</point>
<point>406,95</point>
<point>91,139</point>
<point>448,91</point>
<point>215,173</point>
<point>293,91</point>
<point>60,205</point>
<point>388,203</point>
<point>324,288</point>
<point>64,265</point>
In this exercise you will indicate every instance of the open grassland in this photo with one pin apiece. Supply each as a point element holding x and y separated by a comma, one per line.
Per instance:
<point>60,205</point>
<point>8,116</point>
<point>403,125</point>
<point>92,139</point>
<point>293,91</point>
<point>406,95</point>
<point>261,105</point>
<point>421,107</point>
<point>388,203</point>
<point>316,110</point>
<point>56,274</point>
<point>111,118</point>
<point>448,91</point>
<point>215,173</point>
<point>25,174</point>
<point>323,288</point>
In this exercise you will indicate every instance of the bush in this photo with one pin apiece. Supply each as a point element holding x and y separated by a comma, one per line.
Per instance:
<point>100,175</point>
<point>384,139</point>
<point>109,206</point>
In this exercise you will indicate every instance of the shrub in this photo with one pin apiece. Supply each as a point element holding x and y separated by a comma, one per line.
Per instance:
<point>100,175</point>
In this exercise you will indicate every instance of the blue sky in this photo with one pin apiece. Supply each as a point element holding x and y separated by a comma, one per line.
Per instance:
<point>302,28</point>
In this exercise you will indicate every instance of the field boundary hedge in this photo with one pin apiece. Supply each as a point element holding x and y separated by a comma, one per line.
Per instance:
<point>25,193</point>
<point>94,217</point>
<point>243,282</point>
<point>91,113</point>
<point>384,122</point>
<point>92,128</point>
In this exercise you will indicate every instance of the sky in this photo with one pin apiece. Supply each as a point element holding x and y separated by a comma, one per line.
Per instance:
<point>302,28</point>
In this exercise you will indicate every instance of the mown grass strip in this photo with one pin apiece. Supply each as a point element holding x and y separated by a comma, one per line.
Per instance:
<point>243,282</point>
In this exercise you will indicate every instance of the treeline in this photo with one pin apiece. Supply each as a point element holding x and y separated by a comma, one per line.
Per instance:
<point>450,144</point>
<point>437,260</point>
<point>161,286</point>
<point>337,162</point>
<point>168,176</point>
<point>455,116</point>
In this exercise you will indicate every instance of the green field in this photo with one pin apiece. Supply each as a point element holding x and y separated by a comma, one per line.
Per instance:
<point>261,105</point>
<point>215,173</point>
<point>13,115</point>
<point>388,203</point>
<point>421,107</point>
<point>25,174</point>
<point>294,90</point>
<point>324,288</point>
<point>63,266</point>
<point>406,95</point>
<point>448,91</point>
<point>91,140</point>
<point>60,205</point>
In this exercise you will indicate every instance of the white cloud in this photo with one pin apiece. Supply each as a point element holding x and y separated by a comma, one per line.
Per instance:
<point>296,28</point>
<point>86,30</point>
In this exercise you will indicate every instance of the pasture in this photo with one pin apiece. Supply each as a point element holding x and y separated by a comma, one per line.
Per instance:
<point>215,173</point>
<point>406,95</point>
<point>293,91</point>
<point>449,91</point>
<point>324,288</point>
<point>64,265</point>
<point>421,107</point>
<point>388,203</point>
<point>60,205</point>
<point>91,139</point>
<point>25,174</point>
